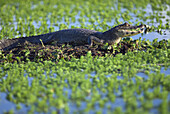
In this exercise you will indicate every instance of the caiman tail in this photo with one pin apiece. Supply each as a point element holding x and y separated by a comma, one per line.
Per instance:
<point>7,44</point>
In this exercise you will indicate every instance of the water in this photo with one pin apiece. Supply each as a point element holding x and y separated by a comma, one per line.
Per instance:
<point>150,36</point>
<point>6,105</point>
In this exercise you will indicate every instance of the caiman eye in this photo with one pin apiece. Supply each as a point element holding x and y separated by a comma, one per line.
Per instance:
<point>126,24</point>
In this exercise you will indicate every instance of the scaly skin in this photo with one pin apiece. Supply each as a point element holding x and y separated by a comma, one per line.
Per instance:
<point>77,36</point>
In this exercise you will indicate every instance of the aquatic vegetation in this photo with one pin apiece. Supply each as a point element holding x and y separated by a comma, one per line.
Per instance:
<point>39,53</point>
<point>90,83</point>
<point>31,17</point>
<point>132,76</point>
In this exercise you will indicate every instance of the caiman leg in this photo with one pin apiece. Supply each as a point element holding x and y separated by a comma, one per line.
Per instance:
<point>93,39</point>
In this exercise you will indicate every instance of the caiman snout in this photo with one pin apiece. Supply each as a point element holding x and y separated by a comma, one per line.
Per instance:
<point>128,30</point>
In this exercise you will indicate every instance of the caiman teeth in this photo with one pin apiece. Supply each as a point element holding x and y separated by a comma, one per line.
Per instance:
<point>132,27</point>
<point>130,33</point>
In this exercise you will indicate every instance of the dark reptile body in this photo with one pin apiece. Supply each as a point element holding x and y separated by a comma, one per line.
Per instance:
<point>75,36</point>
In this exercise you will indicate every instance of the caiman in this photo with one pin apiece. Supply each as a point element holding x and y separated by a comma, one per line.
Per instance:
<point>77,36</point>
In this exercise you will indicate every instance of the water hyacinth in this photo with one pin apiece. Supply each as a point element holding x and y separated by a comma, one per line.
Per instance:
<point>129,77</point>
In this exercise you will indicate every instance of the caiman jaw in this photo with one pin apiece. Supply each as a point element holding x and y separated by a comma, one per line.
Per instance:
<point>126,29</point>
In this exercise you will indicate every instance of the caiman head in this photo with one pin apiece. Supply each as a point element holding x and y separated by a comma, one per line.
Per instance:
<point>123,30</point>
<point>126,29</point>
